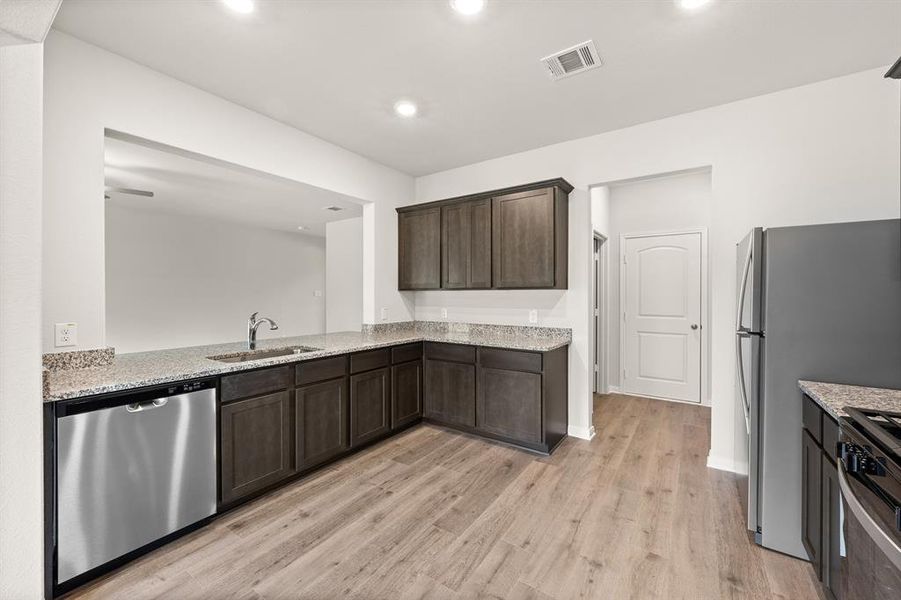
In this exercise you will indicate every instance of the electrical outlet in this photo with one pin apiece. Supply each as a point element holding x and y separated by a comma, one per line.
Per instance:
<point>443,313</point>
<point>66,334</point>
<point>533,316</point>
<point>384,313</point>
<point>317,293</point>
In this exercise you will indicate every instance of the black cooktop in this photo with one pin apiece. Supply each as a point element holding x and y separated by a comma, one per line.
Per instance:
<point>883,426</point>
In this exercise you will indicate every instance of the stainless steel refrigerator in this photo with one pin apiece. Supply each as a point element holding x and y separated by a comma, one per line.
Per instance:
<point>817,302</point>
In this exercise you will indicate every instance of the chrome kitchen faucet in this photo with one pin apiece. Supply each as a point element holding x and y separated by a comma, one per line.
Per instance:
<point>252,324</point>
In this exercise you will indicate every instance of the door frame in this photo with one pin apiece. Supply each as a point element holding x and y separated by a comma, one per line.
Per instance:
<point>704,400</point>
<point>600,347</point>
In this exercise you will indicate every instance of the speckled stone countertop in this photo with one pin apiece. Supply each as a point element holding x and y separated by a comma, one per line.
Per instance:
<point>835,397</point>
<point>140,369</point>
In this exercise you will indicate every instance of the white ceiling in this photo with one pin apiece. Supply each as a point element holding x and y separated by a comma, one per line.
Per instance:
<point>335,68</point>
<point>185,184</point>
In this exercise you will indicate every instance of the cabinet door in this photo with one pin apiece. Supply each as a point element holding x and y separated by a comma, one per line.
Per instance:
<point>370,409</point>
<point>811,465</point>
<point>831,528</point>
<point>406,393</point>
<point>455,245</point>
<point>419,249</point>
<point>509,404</point>
<point>321,417</point>
<point>479,274</point>
<point>257,436</point>
<point>523,239</point>
<point>450,392</point>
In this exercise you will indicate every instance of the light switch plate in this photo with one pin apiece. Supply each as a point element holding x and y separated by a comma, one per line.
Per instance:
<point>533,316</point>
<point>66,334</point>
<point>384,313</point>
<point>317,293</point>
<point>443,313</point>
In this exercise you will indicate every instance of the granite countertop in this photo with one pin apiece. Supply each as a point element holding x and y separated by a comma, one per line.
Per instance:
<point>835,397</point>
<point>140,369</point>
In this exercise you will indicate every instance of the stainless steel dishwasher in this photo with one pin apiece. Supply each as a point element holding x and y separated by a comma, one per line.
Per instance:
<point>131,470</point>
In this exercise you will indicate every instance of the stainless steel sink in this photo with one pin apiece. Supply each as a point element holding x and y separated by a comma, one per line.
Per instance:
<point>250,355</point>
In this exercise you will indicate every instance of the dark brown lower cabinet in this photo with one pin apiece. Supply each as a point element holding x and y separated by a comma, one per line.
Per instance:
<point>406,393</point>
<point>509,404</point>
<point>450,391</point>
<point>830,529</point>
<point>321,422</point>
<point>370,405</point>
<point>811,508</point>
<point>257,439</point>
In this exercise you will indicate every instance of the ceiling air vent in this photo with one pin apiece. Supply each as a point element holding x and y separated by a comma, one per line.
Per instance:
<point>571,61</point>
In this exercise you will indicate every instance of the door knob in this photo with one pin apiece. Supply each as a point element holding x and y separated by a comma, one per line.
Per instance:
<point>694,325</point>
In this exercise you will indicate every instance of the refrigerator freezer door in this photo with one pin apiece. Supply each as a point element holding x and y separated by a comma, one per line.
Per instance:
<point>749,291</point>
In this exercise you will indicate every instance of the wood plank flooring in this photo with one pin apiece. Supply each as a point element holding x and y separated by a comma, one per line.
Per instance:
<point>432,513</point>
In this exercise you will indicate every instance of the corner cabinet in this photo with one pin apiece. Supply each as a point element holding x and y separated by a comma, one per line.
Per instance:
<point>512,238</point>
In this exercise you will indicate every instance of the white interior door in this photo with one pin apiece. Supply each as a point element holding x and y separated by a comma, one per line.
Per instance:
<point>662,316</point>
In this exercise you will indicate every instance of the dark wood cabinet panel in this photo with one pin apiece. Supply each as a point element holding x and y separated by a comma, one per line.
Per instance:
<point>320,369</point>
<point>370,409</point>
<point>479,273</point>
<point>830,528</point>
<point>450,392</point>
<point>369,360</point>
<point>406,353</point>
<point>523,244</point>
<point>456,221</point>
<point>419,249</point>
<point>509,404</point>
<point>321,421</point>
<point>516,360</point>
<point>254,383</point>
<point>451,352</point>
<point>406,393</point>
<point>256,444</point>
<point>812,418</point>
<point>811,510</point>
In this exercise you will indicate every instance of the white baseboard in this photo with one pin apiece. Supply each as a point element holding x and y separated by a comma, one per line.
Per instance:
<point>613,389</point>
<point>584,433</point>
<point>726,464</point>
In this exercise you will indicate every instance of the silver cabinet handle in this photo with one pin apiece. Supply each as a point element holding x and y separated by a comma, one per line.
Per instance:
<point>141,406</point>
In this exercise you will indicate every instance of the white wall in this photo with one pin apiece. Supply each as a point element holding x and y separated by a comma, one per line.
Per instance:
<point>658,204</point>
<point>21,437</point>
<point>88,89</point>
<point>344,275</point>
<point>175,281</point>
<point>825,152</point>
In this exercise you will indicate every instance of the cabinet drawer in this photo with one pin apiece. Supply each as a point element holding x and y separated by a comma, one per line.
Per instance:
<point>255,383</point>
<point>513,360</point>
<point>406,353</point>
<point>367,361</point>
<point>320,370</point>
<point>453,352</point>
<point>830,437</point>
<point>812,418</point>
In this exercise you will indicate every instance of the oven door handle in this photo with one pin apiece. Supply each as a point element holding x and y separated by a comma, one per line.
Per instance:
<point>874,531</point>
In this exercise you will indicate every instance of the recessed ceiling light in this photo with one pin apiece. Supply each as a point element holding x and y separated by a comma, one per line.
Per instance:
<point>692,4</point>
<point>405,108</point>
<point>301,227</point>
<point>333,208</point>
<point>241,6</point>
<point>467,7</point>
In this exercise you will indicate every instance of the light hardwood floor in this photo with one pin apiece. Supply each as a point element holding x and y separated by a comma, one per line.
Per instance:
<point>634,513</point>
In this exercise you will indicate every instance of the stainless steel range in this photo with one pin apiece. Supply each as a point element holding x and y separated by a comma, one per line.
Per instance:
<point>870,481</point>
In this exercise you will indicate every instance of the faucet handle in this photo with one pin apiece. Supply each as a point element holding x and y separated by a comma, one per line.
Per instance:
<point>253,317</point>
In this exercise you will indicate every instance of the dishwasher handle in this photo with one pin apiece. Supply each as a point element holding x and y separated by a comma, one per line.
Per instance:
<point>148,405</point>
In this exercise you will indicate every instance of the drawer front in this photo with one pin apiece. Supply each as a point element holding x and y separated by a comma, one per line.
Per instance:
<point>494,358</point>
<point>452,352</point>
<point>320,370</point>
<point>830,437</point>
<point>812,418</point>
<point>406,353</point>
<point>255,383</point>
<point>367,361</point>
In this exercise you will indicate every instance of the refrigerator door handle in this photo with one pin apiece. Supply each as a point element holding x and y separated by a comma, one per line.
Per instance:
<point>743,394</point>
<point>742,289</point>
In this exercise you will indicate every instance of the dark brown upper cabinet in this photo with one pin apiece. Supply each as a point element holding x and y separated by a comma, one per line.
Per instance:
<point>419,249</point>
<point>466,245</point>
<point>512,238</point>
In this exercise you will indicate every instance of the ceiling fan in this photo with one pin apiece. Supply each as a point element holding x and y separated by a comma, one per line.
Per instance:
<point>131,191</point>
